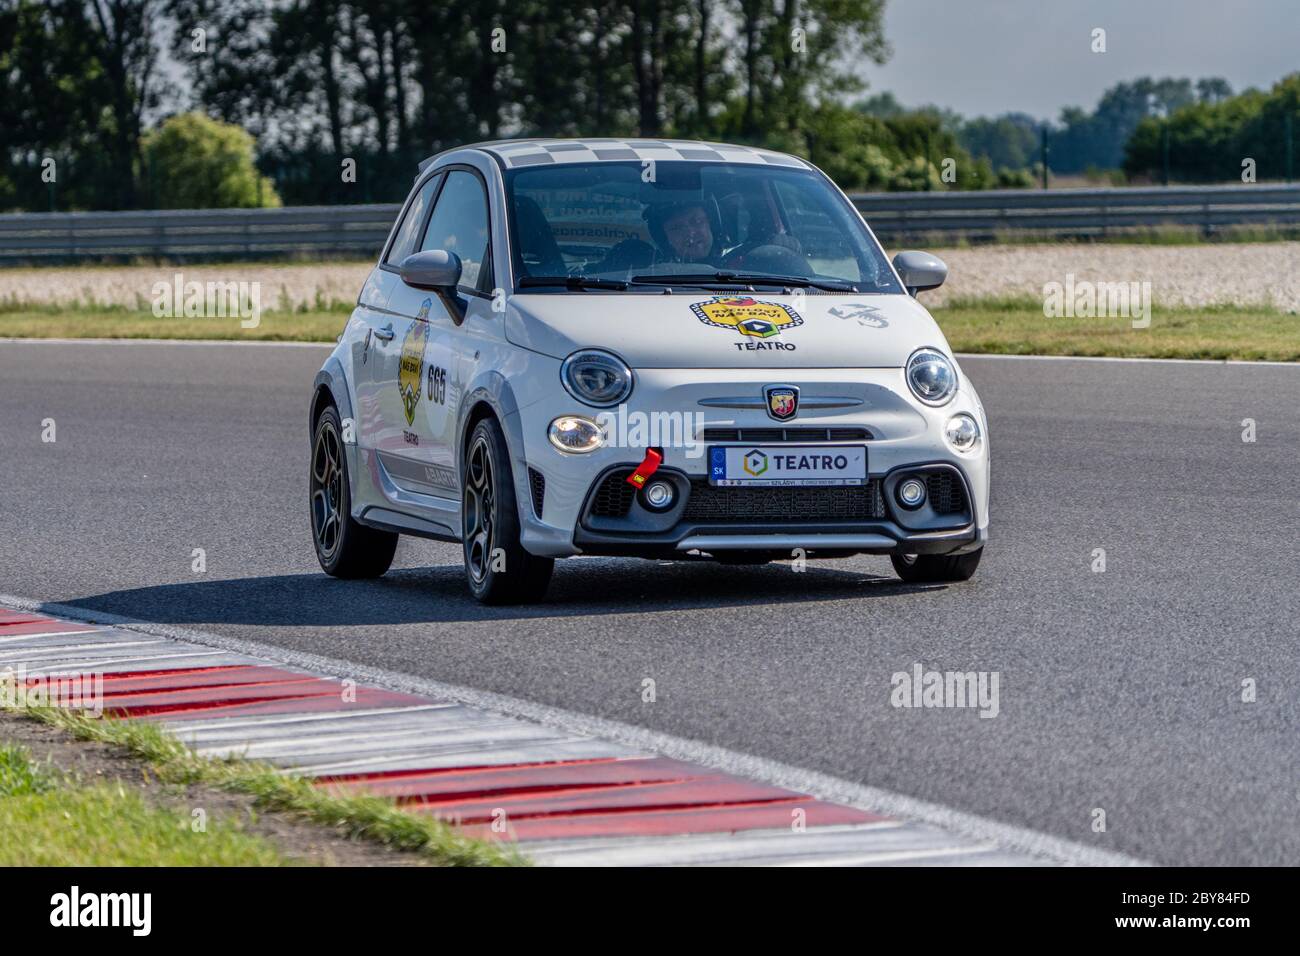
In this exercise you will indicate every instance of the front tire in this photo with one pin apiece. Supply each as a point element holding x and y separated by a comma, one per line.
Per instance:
<point>936,568</point>
<point>497,568</point>
<point>345,548</point>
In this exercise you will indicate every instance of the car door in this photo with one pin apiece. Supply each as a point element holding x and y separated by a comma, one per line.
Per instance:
<point>427,373</point>
<point>375,347</point>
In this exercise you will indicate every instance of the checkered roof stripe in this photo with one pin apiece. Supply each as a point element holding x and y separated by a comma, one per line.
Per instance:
<point>538,152</point>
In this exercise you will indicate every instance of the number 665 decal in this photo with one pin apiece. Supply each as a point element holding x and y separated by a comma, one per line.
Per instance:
<point>437,385</point>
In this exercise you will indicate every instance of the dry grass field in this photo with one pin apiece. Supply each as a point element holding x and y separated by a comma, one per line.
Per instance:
<point>285,287</point>
<point>1261,274</point>
<point>1230,274</point>
<point>1213,300</point>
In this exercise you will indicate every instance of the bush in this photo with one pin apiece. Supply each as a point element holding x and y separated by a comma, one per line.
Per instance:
<point>917,175</point>
<point>195,162</point>
<point>1016,179</point>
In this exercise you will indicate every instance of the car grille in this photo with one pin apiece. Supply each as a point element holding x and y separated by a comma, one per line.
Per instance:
<point>795,505</point>
<point>537,485</point>
<point>802,434</point>
<point>613,499</point>
<point>614,496</point>
<point>946,493</point>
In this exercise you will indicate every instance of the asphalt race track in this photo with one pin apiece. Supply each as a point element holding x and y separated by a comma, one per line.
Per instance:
<point>1119,690</point>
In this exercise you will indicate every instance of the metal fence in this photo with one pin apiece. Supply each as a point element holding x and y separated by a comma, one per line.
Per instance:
<point>196,233</point>
<point>896,217</point>
<point>1076,213</point>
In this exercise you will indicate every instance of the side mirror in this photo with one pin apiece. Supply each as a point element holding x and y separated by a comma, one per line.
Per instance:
<point>436,270</point>
<point>920,271</point>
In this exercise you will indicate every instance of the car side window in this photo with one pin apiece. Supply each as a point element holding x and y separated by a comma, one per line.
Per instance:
<point>460,225</point>
<point>408,233</point>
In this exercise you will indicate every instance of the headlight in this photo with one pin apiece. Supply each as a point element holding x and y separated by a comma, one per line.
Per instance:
<point>572,433</point>
<point>931,376</point>
<point>596,378</point>
<point>963,432</point>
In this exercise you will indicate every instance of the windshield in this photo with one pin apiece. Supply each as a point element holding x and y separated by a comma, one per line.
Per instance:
<point>692,223</point>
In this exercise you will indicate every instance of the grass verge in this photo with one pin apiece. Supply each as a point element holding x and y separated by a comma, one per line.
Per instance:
<point>1018,327</point>
<point>365,817</point>
<point>1160,235</point>
<point>26,322</point>
<point>52,820</point>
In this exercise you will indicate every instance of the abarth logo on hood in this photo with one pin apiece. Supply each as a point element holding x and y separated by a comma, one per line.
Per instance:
<point>410,366</point>
<point>782,401</point>
<point>747,315</point>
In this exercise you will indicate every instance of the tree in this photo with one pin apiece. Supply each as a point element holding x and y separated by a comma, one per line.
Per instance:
<point>325,86</point>
<point>199,163</point>
<point>122,39</point>
<point>1009,141</point>
<point>1209,139</point>
<point>1213,89</point>
<point>1097,139</point>
<point>79,78</point>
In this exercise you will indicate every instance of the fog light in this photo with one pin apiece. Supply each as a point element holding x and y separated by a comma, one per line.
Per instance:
<point>659,495</point>
<point>571,433</point>
<point>963,432</point>
<point>911,493</point>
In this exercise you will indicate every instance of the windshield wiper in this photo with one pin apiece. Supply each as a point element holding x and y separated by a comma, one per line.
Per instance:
<point>574,282</point>
<point>745,278</point>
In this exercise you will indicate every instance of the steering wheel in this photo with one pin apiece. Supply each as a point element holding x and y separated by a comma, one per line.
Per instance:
<point>765,256</point>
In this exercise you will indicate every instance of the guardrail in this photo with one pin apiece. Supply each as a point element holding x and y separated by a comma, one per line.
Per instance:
<point>183,233</point>
<point>896,217</point>
<point>1076,213</point>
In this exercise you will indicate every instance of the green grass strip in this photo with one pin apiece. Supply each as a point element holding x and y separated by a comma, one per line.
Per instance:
<point>1013,326</point>
<point>368,817</point>
<point>49,819</point>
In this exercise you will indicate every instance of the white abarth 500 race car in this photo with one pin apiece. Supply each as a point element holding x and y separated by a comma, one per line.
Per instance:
<point>644,348</point>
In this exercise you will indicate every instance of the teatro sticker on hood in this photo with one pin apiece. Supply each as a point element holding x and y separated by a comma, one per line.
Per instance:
<point>759,322</point>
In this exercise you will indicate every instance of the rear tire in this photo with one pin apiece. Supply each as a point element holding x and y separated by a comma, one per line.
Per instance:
<point>936,568</point>
<point>497,568</point>
<point>345,548</point>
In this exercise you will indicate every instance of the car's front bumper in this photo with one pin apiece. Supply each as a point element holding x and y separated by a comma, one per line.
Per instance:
<point>904,435</point>
<point>611,524</point>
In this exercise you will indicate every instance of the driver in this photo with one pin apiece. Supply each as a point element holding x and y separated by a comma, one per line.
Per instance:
<point>682,231</point>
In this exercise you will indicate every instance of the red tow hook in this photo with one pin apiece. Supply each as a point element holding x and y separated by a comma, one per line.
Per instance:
<point>649,465</point>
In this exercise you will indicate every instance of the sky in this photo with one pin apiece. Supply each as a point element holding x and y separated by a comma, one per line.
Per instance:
<point>986,57</point>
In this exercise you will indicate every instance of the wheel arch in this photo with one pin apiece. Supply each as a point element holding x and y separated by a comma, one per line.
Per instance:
<point>490,396</point>
<point>481,409</point>
<point>331,385</point>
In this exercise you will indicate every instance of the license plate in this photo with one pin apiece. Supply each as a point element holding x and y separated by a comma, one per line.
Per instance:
<point>734,465</point>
